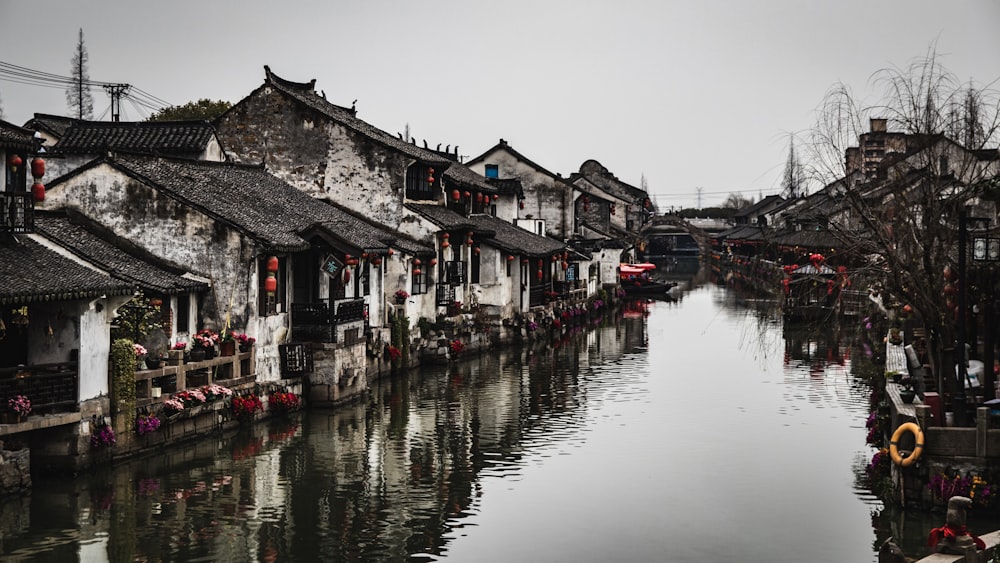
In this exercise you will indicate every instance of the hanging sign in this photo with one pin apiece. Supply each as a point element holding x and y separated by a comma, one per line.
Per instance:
<point>331,266</point>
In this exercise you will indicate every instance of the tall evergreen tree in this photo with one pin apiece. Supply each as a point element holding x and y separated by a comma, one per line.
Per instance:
<point>793,179</point>
<point>78,98</point>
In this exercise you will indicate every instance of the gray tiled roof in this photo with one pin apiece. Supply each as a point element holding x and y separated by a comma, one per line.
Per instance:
<point>30,272</point>
<point>503,235</point>
<point>55,125</point>
<point>255,202</point>
<point>159,137</point>
<point>598,175</point>
<point>113,255</point>
<point>304,94</point>
<point>16,138</point>
<point>464,176</point>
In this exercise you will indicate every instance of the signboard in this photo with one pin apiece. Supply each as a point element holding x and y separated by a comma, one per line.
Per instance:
<point>331,266</point>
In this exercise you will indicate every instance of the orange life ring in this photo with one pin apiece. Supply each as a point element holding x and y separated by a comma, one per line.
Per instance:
<point>918,435</point>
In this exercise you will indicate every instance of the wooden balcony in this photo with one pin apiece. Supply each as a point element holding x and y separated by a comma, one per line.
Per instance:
<point>50,387</point>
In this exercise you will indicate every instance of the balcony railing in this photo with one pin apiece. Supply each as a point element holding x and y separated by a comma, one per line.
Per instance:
<point>317,322</point>
<point>50,387</point>
<point>233,370</point>
<point>17,212</point>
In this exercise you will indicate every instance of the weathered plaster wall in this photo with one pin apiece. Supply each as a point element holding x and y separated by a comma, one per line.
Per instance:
<point>317,155</point>
<point>544,197</point>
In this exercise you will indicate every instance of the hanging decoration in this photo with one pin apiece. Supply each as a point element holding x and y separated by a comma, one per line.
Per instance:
<point>430,176</point>
<point>14,161</point>
<point>456,195</point>
<point>271,282</point>
<point>37,171</point>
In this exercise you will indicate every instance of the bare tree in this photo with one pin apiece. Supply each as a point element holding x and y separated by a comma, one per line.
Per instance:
<point>910,184</point>
<point>78,98</point>
<point>736,202</point>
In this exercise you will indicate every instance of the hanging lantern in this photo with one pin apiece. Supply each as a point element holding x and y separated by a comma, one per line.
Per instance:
<point>476,250</point>
<point>467,194</point>
<point>270,284</point>
<point>524,260</point>
<point>417,262</point>
<point>417,271</point>
<point>565,265</point>
<point>612,208</point>
<point>540,275</point>
<point>347,276</point>
<point>272,264</point>
<point>390,252</point>
<point>364,255</point>
<point>434,261</point>
<point>456,195</point>
<point>468,242</point>
<point>496,197</point>
<point>479,197</point>
<point>38,192</point>
<point>520,203</point>
<point>510,257</point>
<point>540,263</point>
<point>14,161</point>
<point>37,167</point>
<point>445,243</point>
<point>430,175</point>
<point>377,261</point>
<point>155,302</point>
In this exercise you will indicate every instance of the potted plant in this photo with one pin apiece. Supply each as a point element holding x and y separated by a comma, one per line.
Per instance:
<point>18,407</point>
<point>227,346</point>
<point>176,353</point>
<point>204,345</point>
<point>401,296</point>
<point>140,355</point>
<point>245,341</point>
<point>907,394</point>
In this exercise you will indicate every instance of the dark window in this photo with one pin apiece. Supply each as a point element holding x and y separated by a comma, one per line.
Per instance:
<point>509,267</point>
<point>474,267</point>
<point>417,185</point>
<point>492,171</point>
<point>183,312</point>
<point>456,272</point>
<point>418,282</point>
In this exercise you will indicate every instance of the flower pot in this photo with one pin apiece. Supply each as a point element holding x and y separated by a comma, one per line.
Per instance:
<point>10,417</point>
<point>198,355</point>
<point>227,348</point>
<point>907,395</point>
<point>154,363</point>
<point>246,347</point>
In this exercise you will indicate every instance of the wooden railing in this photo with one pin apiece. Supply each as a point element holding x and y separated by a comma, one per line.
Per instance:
<point>225,370</point>
<point>49,387</point>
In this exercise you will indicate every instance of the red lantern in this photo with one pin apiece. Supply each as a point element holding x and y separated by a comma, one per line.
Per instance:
<point>468,242</point>
<point>272,264</point>
<point>347,276</point>
<point>467,195</point>
<point>37,167</point>
<point>476,249</point>
<point>496,197</point>
<point>520,204</point>
<point>479,197</point>
<point>377,261</point>
<point>540,274</point>
<point>456,195</point>
<point>38,192</point>
<point>156,302</point>
<point>565,265</point>
<point>434,261</point>
<point>445,244</point>
<point>510,257</point>
<point>14,161</point>
<point>430,175</point>
<point>270,284</point>
<point>390,252</point>
<point>417,271</point>
<point>524,260</point>
<point>417,262</point>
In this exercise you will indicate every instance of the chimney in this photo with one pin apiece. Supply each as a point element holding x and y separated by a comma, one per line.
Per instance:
<point>878,125</point>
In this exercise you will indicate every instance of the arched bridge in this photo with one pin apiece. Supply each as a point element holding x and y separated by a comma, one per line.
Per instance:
<point>673,234</point>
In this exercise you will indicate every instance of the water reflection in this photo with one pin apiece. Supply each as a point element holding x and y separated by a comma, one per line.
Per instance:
<point>656,432</point>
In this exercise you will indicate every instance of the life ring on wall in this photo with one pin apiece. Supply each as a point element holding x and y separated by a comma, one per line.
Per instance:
<point>918,435</point>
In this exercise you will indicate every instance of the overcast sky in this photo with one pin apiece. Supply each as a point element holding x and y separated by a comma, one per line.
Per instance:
<point>693,94</point>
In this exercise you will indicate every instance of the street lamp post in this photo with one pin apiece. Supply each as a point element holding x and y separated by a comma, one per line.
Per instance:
<point>986,251</point>
<point>961,368</point>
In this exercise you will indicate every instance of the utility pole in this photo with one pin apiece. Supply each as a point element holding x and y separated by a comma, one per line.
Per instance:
<point>116,91</point>
<point>699,196</point>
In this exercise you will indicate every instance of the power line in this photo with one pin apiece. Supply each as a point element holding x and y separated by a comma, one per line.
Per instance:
<point>23,75</point>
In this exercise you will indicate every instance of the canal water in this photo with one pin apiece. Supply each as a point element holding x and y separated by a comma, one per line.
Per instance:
<point>692,430</point>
